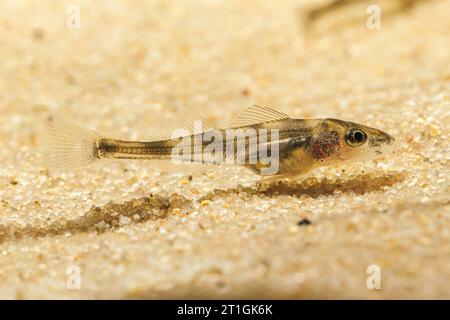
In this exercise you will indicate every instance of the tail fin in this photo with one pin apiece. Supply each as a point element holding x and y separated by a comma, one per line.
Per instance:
<point>69,145</point>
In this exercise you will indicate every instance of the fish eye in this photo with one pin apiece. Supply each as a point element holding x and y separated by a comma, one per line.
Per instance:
<point>355,137</point>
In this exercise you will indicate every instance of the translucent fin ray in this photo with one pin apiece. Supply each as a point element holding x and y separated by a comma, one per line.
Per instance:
<point>68,145</point>
<point>257,114</point>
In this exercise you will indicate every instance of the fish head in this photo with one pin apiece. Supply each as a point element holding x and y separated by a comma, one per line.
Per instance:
<point>341,141</point>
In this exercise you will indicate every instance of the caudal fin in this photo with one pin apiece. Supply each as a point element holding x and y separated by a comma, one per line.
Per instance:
<point>68,145</point>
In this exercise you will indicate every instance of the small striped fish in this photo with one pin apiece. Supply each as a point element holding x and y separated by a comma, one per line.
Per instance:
<point>264,140</point>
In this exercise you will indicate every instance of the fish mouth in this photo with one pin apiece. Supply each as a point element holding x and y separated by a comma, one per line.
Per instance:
<point>378,142</point>
<point>382,145</point>
<point>385,138</point>
<point>390,146</point>
<point>387,148</point>
<point>390,139</point>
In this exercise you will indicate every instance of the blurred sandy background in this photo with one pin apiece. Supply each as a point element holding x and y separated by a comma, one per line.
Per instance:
<point>135,230</point>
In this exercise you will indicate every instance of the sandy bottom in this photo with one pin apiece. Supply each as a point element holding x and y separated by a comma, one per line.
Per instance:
<point>141,230</point>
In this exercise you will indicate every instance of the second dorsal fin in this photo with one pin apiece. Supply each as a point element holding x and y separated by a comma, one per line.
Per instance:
<point>257,114</point>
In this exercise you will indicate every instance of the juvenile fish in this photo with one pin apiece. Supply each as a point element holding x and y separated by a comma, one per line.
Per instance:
<point>264,140</point>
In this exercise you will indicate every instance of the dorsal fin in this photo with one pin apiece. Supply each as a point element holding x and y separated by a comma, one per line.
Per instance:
<point>184,121</point>
<point>257,114</point>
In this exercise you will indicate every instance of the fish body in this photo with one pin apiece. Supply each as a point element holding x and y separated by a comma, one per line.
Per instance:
<point>263,140</point>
